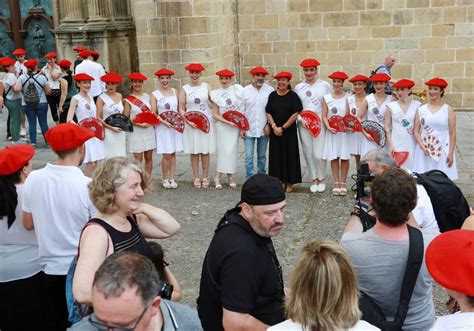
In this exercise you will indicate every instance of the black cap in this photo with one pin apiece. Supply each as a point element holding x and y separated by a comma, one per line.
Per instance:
<point>262,189</point>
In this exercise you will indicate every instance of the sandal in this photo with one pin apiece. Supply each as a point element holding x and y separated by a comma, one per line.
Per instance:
<point>336,190</point>
<point>197,183</point>
<point>343,189</point>
<point>205,183</point>
<point>289,188</point>
<point>173,184</point>
<point>232,182</point>
<point>217,181</point>
<point>166,183</point>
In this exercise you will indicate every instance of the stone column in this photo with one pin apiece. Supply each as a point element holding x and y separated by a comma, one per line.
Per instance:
<point>98,13</point>
<point>71,12</point>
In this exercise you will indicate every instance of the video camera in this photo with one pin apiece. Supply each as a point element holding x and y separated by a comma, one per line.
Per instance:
<point>362,189</point>
<point>363,176</point>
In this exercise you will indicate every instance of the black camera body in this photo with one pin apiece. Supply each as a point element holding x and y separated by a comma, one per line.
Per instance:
<point>363,177</point>
<point>165,290</point>
<point>361,206</point>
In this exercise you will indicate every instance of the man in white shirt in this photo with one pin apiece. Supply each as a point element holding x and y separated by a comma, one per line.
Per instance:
<point>56,204</point>
<point>256,98</point>
<point>94,69</point>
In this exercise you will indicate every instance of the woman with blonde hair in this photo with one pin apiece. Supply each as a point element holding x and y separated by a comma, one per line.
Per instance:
<point>324,291</point>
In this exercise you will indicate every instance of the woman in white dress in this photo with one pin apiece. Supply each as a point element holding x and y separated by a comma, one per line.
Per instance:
<point>110,102</point>
<point>227,98</point>
<point>195,97</point>
<point>53,73</point>
<point>336,147</point>
<point>355,102</point>
<point>437,120</point>
<point>83,106</point>
<point>168,140</point>
<point>141,142</point>
<point>400,120</point>
<point>374,110</point>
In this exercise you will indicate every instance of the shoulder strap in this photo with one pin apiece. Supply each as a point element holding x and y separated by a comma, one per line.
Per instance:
<point>94,221</point>
<point>137,102</point>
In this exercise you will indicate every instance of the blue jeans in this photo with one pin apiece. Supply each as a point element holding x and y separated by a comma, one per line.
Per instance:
<point>33,112</point>
<point>262,143</point>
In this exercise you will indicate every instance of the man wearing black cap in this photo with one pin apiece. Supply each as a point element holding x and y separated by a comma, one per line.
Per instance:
<point>241,281</point>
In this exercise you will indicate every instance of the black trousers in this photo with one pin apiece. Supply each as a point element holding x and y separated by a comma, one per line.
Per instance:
<point>55,302</point>
<point>21,304</point>
<point>53,102</point>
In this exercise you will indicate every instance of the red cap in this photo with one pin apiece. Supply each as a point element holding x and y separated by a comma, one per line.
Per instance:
<point>309,63</point>
<point>79,48</point>
<point>111,77</point>
<point>31,63</point>
<point>359,78</point>
<point>164,72</point>
<point>283,74</point>
<point>19,51</point>
<point>81,77</point>
<point>66,136</point>
<point>137,76</point>
<point>194,67</point>
<point>437,82</point>
<point>404,83</point>
<point>338,75</point>
<point>64,63</point>
<point>225,73</point>
<point>259,70</point>
<point>85,54</point>
<point>450,260</point>
<point>95,54</point>
<point>382,77</point>
<point>7,61</point>
<point>51,55</point>
<point>13,158</point>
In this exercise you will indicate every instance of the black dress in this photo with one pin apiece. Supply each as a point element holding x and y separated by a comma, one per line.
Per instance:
<point>284,155</point>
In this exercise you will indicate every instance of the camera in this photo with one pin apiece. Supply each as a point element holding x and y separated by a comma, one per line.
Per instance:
<point>362,178</point>
<point>165,290</point>
<point>361,206</point>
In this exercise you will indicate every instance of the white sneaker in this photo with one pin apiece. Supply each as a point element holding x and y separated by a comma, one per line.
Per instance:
<point>166,183</point>
<point>321,187</point>
<point>23,132</point>
<point>313,188</point>
<point>173,184</point>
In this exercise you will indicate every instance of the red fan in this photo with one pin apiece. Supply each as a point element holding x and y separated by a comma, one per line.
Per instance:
<point>352,123</point>
<point>237,118</point>
<point>312,121</point>
<point>175,119</point>
<point>400,157</point>
<point>95,125</point>
<point>147,117</point>
<point>336,122</point>
<point>376,131</point>
<point>198,118</point>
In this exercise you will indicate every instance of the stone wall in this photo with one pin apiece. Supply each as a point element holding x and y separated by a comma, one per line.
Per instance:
<point>428,37</point>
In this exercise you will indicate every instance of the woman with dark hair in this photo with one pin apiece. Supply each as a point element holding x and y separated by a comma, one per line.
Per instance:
<point>12,99</point>
<point>53,74</point>
<point>20,271</point>
<point>68,90</point>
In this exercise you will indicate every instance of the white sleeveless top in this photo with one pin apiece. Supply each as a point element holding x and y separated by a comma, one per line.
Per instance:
<point>84,109</point>
<point>229,99</point>
<point>197,99</point>
<point>110,107</point>
<point>166,103</point>
<point>374,111</point>
<point>335,106</point>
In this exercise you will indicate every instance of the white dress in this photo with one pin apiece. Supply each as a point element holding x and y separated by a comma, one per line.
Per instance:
<point>229,99</point>
<point>375,112</point>
<point>95,149</point>
<point>115,142</point>
<point>436,125</point>
<point>402,130</point>
<point>354,138</point>
<point>194,140</point>
<point>141,139</point>
<point>168,140</point>
<point>336,144</point>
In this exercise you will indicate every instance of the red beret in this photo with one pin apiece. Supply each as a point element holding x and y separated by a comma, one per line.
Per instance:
<point>450,260</point>
<point>382,77</point>
<point>259,70</point>
<point>359,78</point>
<point>81,77</point>
<point>66,136</point>
<point>84,54</point>
<point>64,63</point>
<point>309,63</point>
<point>7,61</point>
<point>12,158</point>
<point>225,73</point>
<point>338,75</point>
<point>137,76</point>
<point>19,51</point>
<point>31,63</point>
<point>194,67</point>
<point>164,72</point>
<point>51,55</point>
<point>111,77</point>
<point>404,83</point>
<point>95,54</point>
<point>283,74</point>
<point>79,48</point>
<point>437,82</point>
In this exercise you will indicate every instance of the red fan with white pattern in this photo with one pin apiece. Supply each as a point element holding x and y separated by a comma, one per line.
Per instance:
<point>146,117</point>
<point>175,119</point>
<point>95,126</point>
<point>199,119</point>
<point>312,121</point>
<point>352,123</point>
<point>237,118</point>
<point>433,144</point>
<point>376,131</point>
<point>336,122</point>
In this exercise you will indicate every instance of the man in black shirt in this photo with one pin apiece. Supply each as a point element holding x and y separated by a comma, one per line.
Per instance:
<point>241,281</point>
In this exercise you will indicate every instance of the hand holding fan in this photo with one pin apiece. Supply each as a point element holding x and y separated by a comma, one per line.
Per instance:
<point>336,122</point>
<point>146,117</point>
<point>120,121</point>
<point>433,145</point>
<point>376,131</point>
<point>199,119</point>
<point>312,121</point>
<point>237,118</point>
<point>95,126</point>
<point>175,119</point>
<point>352,123</point>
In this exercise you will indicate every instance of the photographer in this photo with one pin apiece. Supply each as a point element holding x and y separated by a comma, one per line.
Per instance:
<point>380,254</point>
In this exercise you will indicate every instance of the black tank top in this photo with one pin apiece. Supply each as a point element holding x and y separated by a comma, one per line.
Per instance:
<point>126,241</point>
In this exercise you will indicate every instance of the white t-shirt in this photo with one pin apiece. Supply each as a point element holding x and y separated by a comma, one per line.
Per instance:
<point>255,102</point>
<point>9,81</point>
<point>94,70</point>
<point>39,80</point>
<point>423,212</point>
<point>289,325</point>
<point>455,322</point>
<point>20,68</point>
<point>58,198</point>
<point>53,84</point>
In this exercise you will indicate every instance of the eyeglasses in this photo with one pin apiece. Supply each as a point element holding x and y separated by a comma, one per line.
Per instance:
<point>93,320</point>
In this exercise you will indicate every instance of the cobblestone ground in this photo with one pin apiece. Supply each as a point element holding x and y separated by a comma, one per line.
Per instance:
<point>309,216</point>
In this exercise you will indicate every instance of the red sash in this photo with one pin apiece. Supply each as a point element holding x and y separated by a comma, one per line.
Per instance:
<point>137,102</point>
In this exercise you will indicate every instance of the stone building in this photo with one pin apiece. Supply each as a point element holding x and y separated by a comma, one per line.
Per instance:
<point>428,37</point>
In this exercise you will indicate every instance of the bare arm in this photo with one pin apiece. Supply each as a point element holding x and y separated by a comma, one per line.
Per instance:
<point>216,114</point>
<point>277,130</point>
<point>177,292</point>
<point>154,109</point>
<point>354,225</point>
<point>388,128</point>
<point>232,321</point>
<point>55,72</point>
<point>28,221</point>
<point>325,118</point>
<point>417,133</point>
<point>126,108</point>
<point>71,110</point>
<point>155,222</point>
<point>452,136</point>
<point>63,85</point>
<point>182,102</point>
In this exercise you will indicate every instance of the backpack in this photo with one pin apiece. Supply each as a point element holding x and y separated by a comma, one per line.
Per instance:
<point>30,94</point>
<point>449,204</point>
<point>369,87</point>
